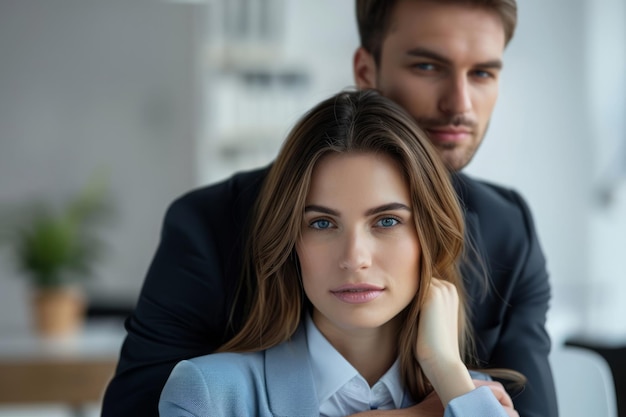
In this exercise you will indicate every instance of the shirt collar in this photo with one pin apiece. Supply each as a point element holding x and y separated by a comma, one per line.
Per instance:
<point>337,371</point>
<point>393,381</point>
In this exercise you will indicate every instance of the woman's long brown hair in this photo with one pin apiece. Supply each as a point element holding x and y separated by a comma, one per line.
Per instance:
<point>350,122</point>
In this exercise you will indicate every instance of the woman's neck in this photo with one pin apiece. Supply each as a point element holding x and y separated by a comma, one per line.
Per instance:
<point>370,351</point>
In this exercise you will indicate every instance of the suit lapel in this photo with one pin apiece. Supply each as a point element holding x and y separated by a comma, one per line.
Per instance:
<point>289,378</point>
<point>474,267</point>
<point>476,271</point>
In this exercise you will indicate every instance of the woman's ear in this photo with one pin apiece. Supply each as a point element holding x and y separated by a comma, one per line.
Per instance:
<point>364,68</point>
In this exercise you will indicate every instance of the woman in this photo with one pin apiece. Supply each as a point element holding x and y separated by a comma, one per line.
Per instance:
<point>355,247</point>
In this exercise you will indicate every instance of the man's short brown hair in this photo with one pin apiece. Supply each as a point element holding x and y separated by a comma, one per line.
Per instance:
<point>374,19</point>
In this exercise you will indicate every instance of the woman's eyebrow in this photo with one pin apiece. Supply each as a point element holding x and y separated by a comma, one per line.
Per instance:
<point>369,212</point>
<point>387,207</point>
<point>321,209</point>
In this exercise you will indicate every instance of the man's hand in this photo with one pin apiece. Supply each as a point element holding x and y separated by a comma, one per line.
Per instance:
<point>432,407</point>
<point>429,407</point>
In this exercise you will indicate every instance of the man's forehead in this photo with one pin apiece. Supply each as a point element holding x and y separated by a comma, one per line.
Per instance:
<point>426,16</point>
<point>446,29</point>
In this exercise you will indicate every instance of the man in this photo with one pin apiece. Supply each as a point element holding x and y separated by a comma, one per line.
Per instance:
<point>441,60</point>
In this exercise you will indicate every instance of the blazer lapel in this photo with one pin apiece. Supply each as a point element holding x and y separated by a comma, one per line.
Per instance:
<point>474,267</point>
<point>289,378</point>
<point>476,271</point>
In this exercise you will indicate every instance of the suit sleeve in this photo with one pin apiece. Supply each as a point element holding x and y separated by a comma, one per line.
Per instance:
<point>477,403</point>
<point>185,301</point>
<point>524,344</point>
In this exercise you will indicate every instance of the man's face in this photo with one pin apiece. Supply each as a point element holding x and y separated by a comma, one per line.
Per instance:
<point>442,63</point>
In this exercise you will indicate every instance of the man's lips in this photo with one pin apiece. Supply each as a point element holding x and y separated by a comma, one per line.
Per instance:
<point>357,293</point>
<point>449,134</point>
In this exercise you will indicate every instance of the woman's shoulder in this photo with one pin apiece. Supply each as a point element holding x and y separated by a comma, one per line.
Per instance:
<point>226,382</point>
<point>216,366</point>
<point>211,377</point>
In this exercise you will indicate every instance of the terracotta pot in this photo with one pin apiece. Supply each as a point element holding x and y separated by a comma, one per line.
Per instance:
<point>58,311</point>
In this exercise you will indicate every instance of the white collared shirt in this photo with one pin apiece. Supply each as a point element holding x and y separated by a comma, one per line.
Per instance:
<point>341,390</point>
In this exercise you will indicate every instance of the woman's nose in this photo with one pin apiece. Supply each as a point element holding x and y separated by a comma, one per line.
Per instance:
<point>356,252</point>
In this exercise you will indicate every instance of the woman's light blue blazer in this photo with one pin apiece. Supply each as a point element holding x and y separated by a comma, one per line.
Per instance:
<point>277,382</point>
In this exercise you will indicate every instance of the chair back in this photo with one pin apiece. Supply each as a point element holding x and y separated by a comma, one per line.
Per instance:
<point>584,383</point>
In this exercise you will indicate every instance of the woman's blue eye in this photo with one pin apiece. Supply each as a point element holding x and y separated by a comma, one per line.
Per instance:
<point>388,222</point>
<point>321,224</point>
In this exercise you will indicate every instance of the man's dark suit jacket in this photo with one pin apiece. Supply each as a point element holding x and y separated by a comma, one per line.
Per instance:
<point>188,292</point>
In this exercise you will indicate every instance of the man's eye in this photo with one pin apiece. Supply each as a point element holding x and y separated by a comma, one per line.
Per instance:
<point>387,222</point>
<point>320,224</point>
<point>482,74</point>
<point>424,66</point>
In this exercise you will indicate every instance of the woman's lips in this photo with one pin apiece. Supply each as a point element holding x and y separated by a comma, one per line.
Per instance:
<point>357,293</point>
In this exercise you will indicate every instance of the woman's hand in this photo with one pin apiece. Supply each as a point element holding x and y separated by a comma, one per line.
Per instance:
<point>438,342</point>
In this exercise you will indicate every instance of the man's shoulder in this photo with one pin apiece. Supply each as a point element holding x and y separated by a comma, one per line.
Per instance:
<point>500,225</point>
<point>239,185</point>
<point>232,196</point>
<point>489,200</point>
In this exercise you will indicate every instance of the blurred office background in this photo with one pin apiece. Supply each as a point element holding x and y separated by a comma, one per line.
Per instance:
<point>167,96</point>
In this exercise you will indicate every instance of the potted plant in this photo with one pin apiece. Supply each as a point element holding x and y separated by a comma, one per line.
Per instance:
<point>56,248</point>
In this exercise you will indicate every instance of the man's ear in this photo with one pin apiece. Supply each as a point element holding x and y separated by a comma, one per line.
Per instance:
<point>364,69</point>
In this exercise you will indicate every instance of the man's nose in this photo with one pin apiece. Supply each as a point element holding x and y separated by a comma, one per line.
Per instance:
<point>456,97</point>
<point>356,252</point>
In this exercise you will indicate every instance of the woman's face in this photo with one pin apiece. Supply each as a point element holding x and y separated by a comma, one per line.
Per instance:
<point>359,253</point>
